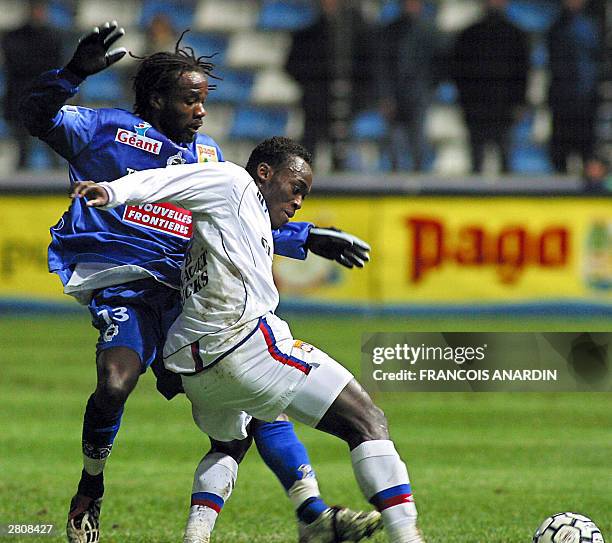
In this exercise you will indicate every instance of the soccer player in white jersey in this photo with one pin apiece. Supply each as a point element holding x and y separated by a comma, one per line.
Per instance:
<point>238,360</point>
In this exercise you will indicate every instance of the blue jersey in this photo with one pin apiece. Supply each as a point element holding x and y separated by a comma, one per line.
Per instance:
<point>103,145</point>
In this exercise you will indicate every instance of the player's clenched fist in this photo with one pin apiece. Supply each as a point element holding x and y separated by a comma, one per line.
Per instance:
<point>96,194</point>
<point>92,55</point>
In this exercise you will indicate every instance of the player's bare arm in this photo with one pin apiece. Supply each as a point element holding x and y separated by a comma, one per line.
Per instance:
<point>96,194</point>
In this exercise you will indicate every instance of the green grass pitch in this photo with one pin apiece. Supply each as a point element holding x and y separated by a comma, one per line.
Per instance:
<point>485,467</point>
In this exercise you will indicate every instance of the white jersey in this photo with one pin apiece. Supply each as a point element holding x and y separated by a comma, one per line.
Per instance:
<point>226,282</point>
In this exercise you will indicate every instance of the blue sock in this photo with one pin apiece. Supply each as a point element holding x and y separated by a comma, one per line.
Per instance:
<point>285,455</point>
<point>310,510</point>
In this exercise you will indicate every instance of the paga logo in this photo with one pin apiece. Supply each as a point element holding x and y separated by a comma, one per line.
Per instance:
<point>598,255</point>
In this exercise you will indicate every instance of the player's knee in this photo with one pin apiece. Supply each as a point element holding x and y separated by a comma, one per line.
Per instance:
<point>237,448</point>
<point>372,426</point>
<point>117,377</point>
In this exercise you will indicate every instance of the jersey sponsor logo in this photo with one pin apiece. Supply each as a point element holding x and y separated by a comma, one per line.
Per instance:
<point>206,153</point>
<point>141,128</point>
<point>167,218</point>
<point>194,274</point>
<point>133,139</point>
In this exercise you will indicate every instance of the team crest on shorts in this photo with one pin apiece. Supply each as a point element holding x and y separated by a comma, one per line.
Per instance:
<point>306,347</point>
<point>206,153</point>
<point>111,331</point>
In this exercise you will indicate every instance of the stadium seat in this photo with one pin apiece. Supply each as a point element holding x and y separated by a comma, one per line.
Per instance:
<point>530,159</point>
<point>533,15</point>
<point>5,131</point>
<point>253,123</point>
<point>179,12</point>
<point>225,15</point>
<point>445,123</point>
<point>14,13</point>
<point>258,49</point>
<point>105,87</point>
<point>287,15</point>
<point>234,88</point>
<point>452,158</point>
<point>392,9</point>
<point>539,54</point>
<point>91,12</point>
<point>275,87</point>
<point>368,125</point>
<point>40,156</point>
<point>446,93</point>
<point>208,44</point>
<point>455,15</point>
<point>61,14</point>
<point>217,124</point>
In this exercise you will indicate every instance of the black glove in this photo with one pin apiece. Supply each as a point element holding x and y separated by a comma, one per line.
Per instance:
<point>337,245</point>
<point>92,54</point>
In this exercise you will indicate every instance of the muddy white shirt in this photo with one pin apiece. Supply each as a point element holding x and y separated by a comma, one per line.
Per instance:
<point>226,280</point>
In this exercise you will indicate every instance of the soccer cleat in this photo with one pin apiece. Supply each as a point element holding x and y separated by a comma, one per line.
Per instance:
<point>198,527</point>
<point>84,520</point>
<point>337,524</point>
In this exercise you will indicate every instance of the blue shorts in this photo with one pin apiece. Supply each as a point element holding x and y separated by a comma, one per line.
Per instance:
<point>136,315</point>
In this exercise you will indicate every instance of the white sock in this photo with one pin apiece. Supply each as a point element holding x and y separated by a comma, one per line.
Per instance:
<point>213,483</point>
<point>302,490</point>
<point>383,478</point>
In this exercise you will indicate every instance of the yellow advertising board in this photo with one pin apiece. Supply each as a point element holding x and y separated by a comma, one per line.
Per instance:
<point>464,251</point>
<point>24,237</point>
<point>428,251</point>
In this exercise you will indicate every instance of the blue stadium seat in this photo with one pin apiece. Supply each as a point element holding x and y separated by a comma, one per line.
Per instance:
<point>523,130</point>
<point>180,12</point>
<point>285,14</point>
<point>208,44</point>
<point>5,131</point>
<point>368,125</point>
<point>530,159</point>
<point>446,93</point>
<point>235,87</point>
<point>253,123</point>
<point>539,54</point>
<point>61,14</point>
<point>392,9</point>
<point>105,86</point>
<point>40,156</point>
<point>533,15</point>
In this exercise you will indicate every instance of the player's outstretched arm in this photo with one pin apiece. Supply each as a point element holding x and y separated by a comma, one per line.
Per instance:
<point>40,109</point>
<point>97,195</point>
<point>334,244</point>
<point>92,54</point>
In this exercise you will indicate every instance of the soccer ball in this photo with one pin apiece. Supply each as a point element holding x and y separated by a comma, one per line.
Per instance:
<point>568,528</point>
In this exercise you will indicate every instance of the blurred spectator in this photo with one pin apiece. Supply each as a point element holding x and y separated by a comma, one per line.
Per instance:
<point>407,60</point>
<point>329,61</point>
<point>575,50</point>
<point>597,175</point>
<point>28,50</point>
<point>160,35</point>
<point>490,65</point>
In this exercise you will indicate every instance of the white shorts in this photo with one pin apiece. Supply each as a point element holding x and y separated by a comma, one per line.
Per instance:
<point>269,374</point>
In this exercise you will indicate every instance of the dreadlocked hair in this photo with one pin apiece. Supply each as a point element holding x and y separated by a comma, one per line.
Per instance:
<point>275,152</point>
<point>159,72</point>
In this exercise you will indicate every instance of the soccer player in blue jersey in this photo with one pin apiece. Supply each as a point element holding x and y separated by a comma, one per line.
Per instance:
<point>125,265</point>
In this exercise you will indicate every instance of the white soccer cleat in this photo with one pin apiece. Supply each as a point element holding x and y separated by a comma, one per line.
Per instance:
<point>337,524</point>
<point>198,527</point>
<point>84,520</point>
